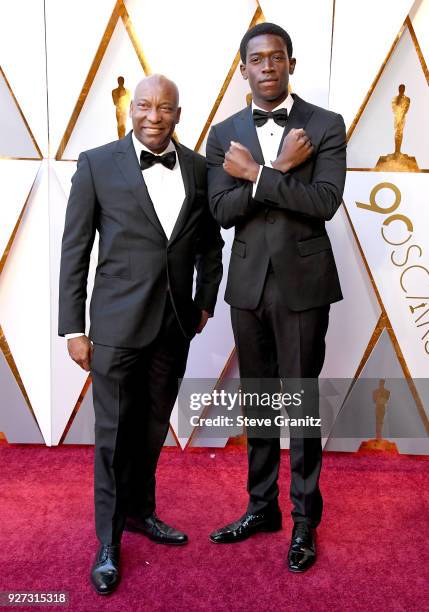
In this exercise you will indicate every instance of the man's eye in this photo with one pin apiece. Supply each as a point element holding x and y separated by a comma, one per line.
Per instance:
<point>254,60</point>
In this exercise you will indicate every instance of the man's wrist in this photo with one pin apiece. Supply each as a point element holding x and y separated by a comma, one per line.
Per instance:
<point>73,335</point>
<point>281,166</point>
<point>253,172</point>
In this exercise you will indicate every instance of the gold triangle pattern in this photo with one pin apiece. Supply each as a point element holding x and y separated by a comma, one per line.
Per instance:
<point>384,321</point>
<point>119,12</point>
<point>407,25</point>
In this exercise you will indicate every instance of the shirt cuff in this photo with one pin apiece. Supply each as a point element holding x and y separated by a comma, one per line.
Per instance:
<point>74,335</point>
<point>255,184</point>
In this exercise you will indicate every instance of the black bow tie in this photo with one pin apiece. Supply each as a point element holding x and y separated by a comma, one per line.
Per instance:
<point>261,117</point>
<point>147,159</point>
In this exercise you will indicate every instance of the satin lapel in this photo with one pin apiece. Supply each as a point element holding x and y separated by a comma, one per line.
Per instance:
<point>298,118</point>
<point>187,169</point>
<point>126,159</point>
<point>246,133</point>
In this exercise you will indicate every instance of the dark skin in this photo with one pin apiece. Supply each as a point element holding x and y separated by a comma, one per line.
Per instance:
<point>154,112</point>
<point>267,69</point>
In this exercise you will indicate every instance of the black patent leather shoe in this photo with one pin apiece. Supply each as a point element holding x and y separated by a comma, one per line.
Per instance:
<point>246,526</point>
<point>105,571</point>
<point>302,551</point>
<point>156,530</point>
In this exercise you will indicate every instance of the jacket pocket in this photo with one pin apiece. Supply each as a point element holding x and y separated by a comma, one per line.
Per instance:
<point>314,245</point>
<point>116,268</point>
<point>239,248</point>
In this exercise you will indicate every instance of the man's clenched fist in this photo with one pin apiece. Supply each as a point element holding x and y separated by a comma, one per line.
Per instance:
<point>240,163</point>
<point>296,149</point>
<point>80,350</point>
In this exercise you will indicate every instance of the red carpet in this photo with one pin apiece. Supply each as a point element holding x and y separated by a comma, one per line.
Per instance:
<point>373,542</point>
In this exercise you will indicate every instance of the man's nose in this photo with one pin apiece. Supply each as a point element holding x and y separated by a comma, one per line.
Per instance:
<point>267,65</point>
<point>154,115</point>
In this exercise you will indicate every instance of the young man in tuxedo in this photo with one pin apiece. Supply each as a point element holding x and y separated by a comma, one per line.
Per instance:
<point>276,173</point>
<point>146,195</point>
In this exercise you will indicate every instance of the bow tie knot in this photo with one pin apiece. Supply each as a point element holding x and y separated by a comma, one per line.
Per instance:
<point>148,159</point>
<point>261,117</point>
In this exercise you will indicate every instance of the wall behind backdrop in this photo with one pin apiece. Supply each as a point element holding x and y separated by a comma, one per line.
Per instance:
<point>60,62</point>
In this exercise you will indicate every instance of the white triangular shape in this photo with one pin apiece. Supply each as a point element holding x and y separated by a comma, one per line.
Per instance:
<point>15,138</point>
<point>363,34</point>
<point>16,420</point>
<point>16,179</point>
<point>25,302</point>
<point>96,124</point>
<point>357,420</point>
<point>374,133</point>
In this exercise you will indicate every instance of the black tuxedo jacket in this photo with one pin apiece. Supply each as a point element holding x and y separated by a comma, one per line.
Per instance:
<point>137,264</point>
<point>285,221</point>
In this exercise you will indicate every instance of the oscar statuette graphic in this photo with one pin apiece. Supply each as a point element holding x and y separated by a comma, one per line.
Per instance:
<point>380,398</point>
<point>398,161</point>
<point>121,99</point>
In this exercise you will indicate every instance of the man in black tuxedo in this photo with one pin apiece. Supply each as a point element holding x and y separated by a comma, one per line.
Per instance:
<point>276,173</point>
<point>146,195</point>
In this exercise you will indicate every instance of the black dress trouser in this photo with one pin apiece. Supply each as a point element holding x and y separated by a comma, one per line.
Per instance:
<point>134,392</point>
<point>274,342</point>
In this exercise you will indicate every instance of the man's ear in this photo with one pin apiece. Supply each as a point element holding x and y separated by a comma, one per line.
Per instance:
<point>130,112</point>
<point>178,113</point>
<point>243,71</point>
<point>292,64</point>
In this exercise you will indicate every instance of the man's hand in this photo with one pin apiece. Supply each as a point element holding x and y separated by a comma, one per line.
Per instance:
<point>240,163</point>
<point>80,350</point>
<point>204,318</point>
<point>296,149</point>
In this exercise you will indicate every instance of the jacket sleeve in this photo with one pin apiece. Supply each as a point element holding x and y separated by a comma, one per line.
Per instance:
<point>230,199</point>
<point>323,195</point>
<point>78,238</point>
<point>208,261</point>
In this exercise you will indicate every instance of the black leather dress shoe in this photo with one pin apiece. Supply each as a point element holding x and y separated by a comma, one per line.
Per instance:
<point>105,571</point>
<point>156,530</point>
<point>302,551</point>
<point>246,526</point>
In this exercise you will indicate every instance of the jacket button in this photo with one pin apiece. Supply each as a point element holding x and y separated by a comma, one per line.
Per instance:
<point>271,218</point>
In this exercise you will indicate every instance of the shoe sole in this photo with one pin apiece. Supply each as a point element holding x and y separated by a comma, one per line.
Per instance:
<point>236,541</point>
<point>302,571</point>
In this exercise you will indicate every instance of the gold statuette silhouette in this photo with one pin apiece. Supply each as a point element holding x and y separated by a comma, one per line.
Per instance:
<point>397,161</point>
<point>380,397</point>
<point>121,99</point>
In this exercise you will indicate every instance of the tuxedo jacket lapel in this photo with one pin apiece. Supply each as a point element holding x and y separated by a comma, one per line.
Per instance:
<point>187,170</point>
<point>246,132</point>
<point>298,118</point>
<point>126,160</point>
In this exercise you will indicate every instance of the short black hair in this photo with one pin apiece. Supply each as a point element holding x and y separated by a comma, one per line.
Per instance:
<point>265,28</point>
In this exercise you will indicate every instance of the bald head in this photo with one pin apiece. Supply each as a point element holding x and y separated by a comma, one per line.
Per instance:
<point>157,82</point>
<point>155,111</point>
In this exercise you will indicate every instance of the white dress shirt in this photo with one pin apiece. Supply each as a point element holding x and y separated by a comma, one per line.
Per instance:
<point>270,135</point>
<point>165,187</point>
<point>166,190</point>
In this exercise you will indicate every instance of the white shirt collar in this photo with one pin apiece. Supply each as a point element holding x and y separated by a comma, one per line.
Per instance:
<point>287,104</point>
<point>139,147</point>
